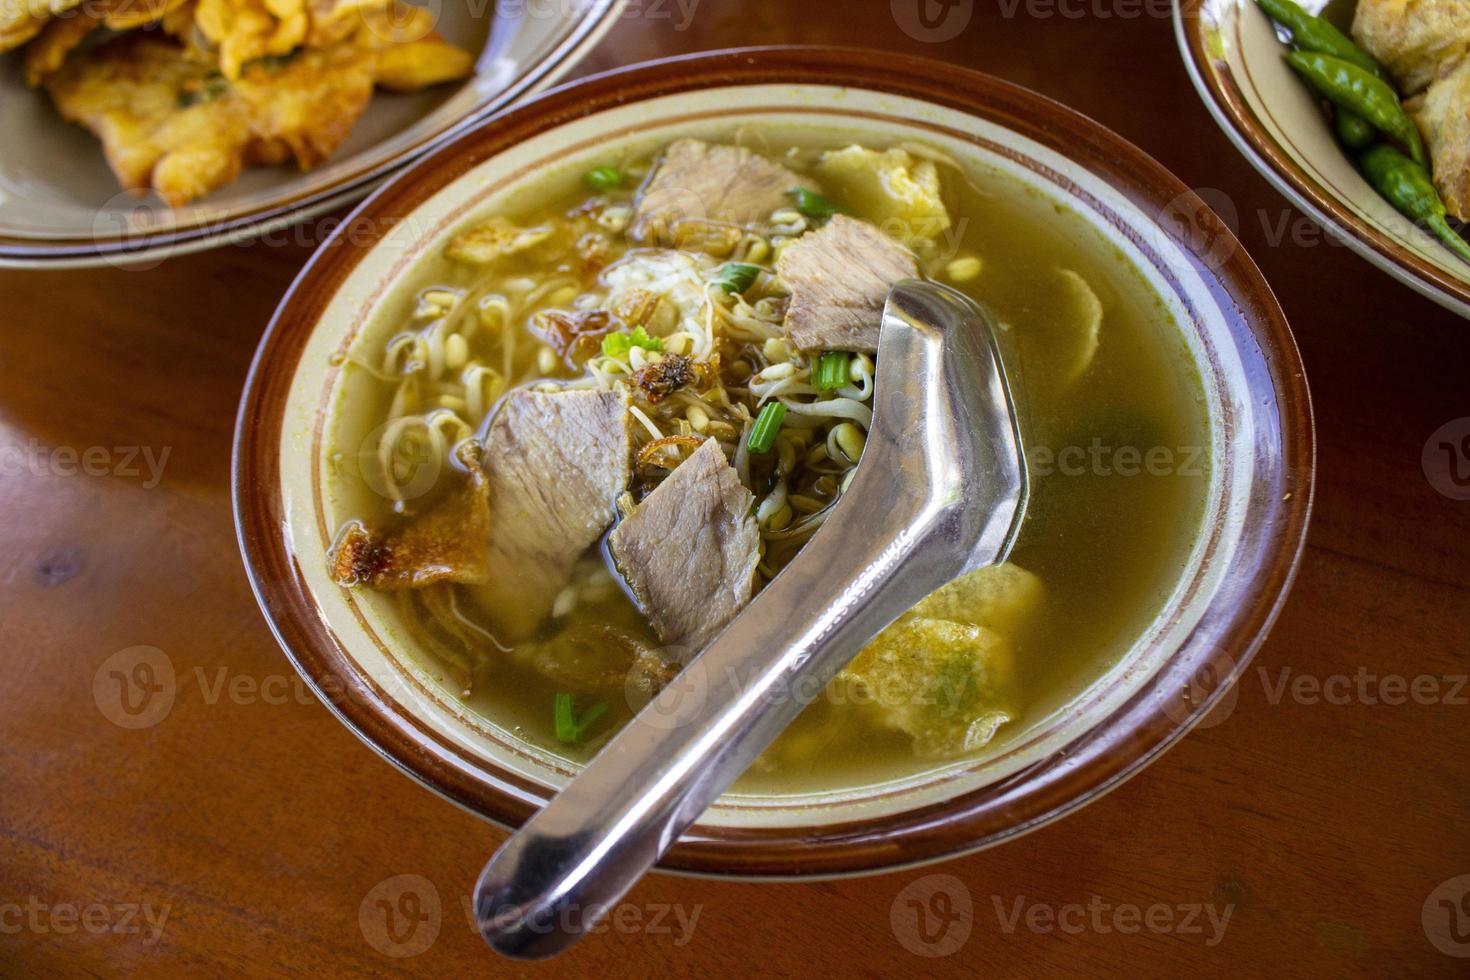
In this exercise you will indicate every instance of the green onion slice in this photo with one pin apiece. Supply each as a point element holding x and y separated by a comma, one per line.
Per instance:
<point>604,178</point>
<point>767,424</point>
<point>831,370</point>
<point>737,277</point>
<point>812,204</point>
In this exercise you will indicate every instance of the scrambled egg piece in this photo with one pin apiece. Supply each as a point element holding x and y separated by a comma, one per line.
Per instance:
<point>900,194</point>
<point>944,673</point>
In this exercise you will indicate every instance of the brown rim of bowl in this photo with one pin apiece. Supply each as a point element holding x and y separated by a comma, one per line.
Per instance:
<point>1256,581</point>
<point>561,56</point>
<point>1222,96</point>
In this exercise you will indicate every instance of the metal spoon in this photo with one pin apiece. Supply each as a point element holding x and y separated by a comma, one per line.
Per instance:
<point>940,491</point>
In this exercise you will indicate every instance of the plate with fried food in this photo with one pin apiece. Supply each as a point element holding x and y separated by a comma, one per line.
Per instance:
<point>136,129</point>
<point>1356,110</point>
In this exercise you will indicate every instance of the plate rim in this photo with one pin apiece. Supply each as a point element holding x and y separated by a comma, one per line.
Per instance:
<point>17,252</point>
<point>1273,162</point>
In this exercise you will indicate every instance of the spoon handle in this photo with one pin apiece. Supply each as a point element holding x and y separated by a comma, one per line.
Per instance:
<point>937,493</point>
<point>582,852</point>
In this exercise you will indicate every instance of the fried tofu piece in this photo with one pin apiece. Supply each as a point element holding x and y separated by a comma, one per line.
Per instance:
<point>1443,116</point>
<point>410,55</point>
<point>1416,40</point>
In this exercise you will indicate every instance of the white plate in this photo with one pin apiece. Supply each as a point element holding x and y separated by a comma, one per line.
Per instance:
<point>60,205</point>
<point>1235,59</point>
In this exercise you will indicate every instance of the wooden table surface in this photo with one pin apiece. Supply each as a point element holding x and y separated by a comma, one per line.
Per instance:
<point>249,833</point>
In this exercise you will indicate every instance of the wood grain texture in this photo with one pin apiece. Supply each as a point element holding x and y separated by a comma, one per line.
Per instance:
<point>263,827</point>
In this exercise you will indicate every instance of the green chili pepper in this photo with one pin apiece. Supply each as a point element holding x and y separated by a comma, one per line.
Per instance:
<point>1315,34</point>
<point>1353,130</point>
<point>1362,93</point>
<point>1407,186</point>
<point>767,424</point>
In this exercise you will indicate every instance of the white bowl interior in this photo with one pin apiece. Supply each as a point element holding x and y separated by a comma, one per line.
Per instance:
<point>366,627</point>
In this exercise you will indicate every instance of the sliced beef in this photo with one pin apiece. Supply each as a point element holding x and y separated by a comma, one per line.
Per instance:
<point>698,183</point>
<point>839,277</point>
<point>556,463</point>
<point>689,551</point>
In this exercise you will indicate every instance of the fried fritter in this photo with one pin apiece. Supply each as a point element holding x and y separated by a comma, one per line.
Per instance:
<point>1443,115</point>
<point>172,122</point>
<point>57,39</point>
<point>21,20</point>
<point>1416,40</point>
<point>246,30</point>
<point>164,120</point>
<point>306,107</point>
<point>410,55</point>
